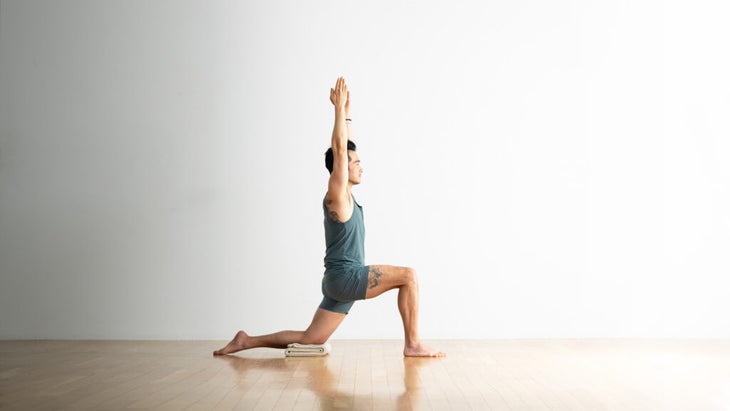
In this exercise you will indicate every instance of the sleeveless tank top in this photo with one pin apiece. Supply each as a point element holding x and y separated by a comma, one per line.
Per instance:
<point>345,241</point>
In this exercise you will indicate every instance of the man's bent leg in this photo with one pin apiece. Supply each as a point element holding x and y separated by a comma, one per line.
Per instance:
<point>382,278</point>
<point>319,331</point>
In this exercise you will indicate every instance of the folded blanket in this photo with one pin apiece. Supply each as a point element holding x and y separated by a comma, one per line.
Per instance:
<point>307,350</point>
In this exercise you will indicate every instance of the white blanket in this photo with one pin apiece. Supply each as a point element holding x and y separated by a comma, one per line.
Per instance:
<point>307,350</point>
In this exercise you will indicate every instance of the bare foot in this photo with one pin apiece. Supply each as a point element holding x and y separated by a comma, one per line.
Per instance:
<point>238,343</point>
<point>421,350</point>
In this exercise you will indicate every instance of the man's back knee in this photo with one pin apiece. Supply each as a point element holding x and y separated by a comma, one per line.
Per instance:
<point>313,339</point>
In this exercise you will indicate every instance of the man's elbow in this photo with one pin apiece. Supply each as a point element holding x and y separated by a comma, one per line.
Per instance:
<point>339,149</point>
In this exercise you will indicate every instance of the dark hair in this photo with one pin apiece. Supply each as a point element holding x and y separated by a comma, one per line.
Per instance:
<point>329,158</point>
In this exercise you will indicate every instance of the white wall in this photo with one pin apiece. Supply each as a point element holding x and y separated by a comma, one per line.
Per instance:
<point>552,169</point>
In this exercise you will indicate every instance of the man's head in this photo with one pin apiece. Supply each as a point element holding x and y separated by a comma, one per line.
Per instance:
<point>353,160</point>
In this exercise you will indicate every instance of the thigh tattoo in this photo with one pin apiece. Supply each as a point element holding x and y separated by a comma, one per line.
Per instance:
<point>374,277</point>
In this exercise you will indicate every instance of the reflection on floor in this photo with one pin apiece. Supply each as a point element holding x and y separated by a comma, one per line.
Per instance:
<point>367,374</point>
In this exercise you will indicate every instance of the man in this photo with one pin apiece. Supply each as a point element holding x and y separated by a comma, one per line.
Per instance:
<point>346,278</point>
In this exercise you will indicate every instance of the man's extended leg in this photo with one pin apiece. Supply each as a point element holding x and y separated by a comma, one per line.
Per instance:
<point>319,331</point>
<point>382,278</point>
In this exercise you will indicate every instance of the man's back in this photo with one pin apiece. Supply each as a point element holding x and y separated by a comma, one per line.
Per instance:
<point>345,240</point>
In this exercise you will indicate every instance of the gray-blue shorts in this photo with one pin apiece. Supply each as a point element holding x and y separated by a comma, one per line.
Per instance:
<point>341,287</point>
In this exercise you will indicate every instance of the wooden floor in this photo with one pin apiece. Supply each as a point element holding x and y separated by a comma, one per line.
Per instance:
<point>369,374</point>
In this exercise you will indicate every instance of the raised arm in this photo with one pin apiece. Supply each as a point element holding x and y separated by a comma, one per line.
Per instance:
<point>337,200</point>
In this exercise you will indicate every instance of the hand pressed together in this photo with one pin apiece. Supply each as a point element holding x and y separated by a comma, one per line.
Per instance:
<point>340,96</point>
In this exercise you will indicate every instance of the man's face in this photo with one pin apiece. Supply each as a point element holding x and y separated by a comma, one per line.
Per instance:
<point>354,168</point>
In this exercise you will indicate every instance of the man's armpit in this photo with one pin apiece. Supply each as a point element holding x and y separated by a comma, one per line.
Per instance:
<point>333,216</point>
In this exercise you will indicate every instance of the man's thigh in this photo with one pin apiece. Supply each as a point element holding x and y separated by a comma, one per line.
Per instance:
<point>382,278</point>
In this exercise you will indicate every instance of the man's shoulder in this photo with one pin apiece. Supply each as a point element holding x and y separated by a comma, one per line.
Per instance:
<point>338,199</point>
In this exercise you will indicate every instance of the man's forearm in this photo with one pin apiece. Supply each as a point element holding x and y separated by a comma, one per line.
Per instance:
<point>348,124</point>
<point>340,131</point>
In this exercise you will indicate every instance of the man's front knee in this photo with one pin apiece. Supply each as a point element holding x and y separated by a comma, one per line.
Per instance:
<point>411,277</point>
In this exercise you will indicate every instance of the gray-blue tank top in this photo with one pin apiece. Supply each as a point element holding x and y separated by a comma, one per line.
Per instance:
<point>345,241</point>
